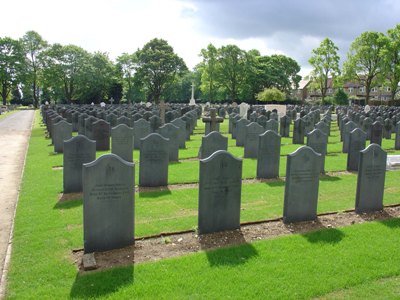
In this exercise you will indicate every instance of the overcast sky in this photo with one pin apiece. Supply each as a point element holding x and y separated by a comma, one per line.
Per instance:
<point>290,27</point>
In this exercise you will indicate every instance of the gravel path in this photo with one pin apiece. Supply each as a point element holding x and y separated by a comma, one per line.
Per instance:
<point>15,131</point>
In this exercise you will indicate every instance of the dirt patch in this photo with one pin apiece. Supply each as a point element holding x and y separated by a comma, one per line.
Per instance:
<point>69,197</point>
<point>57,168</point>
<point>176,244</point>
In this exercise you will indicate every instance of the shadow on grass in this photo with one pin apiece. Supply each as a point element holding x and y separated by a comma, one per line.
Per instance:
<point>276,183</point>
<point>154,194</point>
<point>325,236</point>
<point>68,204</point>
<point>391,223</point>
<point>329,178</point>
<point>100,284</point>
<point>238,251</point>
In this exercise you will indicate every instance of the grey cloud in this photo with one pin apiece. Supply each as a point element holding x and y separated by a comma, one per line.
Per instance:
<point>284,23</point>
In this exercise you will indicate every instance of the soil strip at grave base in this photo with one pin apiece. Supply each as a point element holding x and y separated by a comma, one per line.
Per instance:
<point>176,244</point>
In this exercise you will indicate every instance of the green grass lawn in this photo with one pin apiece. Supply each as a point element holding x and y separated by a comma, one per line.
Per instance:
<point>332,264</point>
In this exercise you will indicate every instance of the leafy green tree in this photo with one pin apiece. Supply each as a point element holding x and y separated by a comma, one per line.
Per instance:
<point>325,63</point>
<point>365,62</point>
<point>231,69</point>
<point>63,69</point>
<point>272,94</point>
<point>341,98</point>
<point>126,65</point>
<point>12,63</point>
<point>95,79</point>
<point>278,71</point>
<point>208,69</point>
<point>157,67</point>
<point>34,45</point>
<point>391,56</point>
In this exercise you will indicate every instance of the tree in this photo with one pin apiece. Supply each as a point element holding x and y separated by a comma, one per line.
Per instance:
<point>126,65</point>
<point>11,65</point>
<point>278,71</point>
<point>63,68</point>
<point>325,63</point>
<point>365,62</point>
<point>341,98</point>
<point>272,94</point>
<point>208,69</point>
<point>231,69</point>
<point>34,45</point>
<point>157,66</point>
<point>391,56</point>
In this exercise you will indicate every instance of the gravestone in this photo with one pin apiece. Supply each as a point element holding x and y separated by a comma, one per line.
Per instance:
<point>376,133</point>
<point>153,164</point>
<point>211,143</point>
<point>262,120</point>
<point>269,151</point>
<point>125,120</point>
<point>348,127</point>
<point>77,151</point>
<point>170,132</point>
<point>285,126</point>
<point>366,127</point>
<point>387,128</point>
<point>155,123</point>
<point>181,133</point>
<point>108,204</point>
<point>112,119</point>
<point>357,142</point>
<point>89,127</point>
<point>101,134</point>
<point>321,125</point>
<point>298,131</point>
<point>234,125</point>
<point>371,179</point>
<point>141,129</point>
<point>243,108</point>
<point>272,124</point>
<point>122,142</point>
<point>61,131</point>
<point>301,186</point>
<point>212,122</point>
<point>241,131</point>
<point>318,141</point>
<point>253,130</point>
<point>397,137</point>
<point>81,123</point>
<point>220,183</point>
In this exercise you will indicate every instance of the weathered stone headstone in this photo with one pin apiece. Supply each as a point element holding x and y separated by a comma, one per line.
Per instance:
<point>155,123</point>
<point>318,141</point>
<point>298,131</point>
<point>212,122</point>
<point>211,143</point>
<point>219,193</point>
<point>108,204</point>
<point>357,142</point>
<point>153,165</point>
<point>376,133</point>
<point>125,120</point>
<point>348,127</point>
<point>371,179</point>
<point>397,137</point>
<point>61,131</point>
<point>321,125</point>
<point>122,142</point>
<point>243,108</point>
<point>272,124</point>
<point>301,186</point>
<point>241,131</point>
<point>269,151</point>
<point>387,128</point>
<point>141,129</point>
<point>77,151</point>
<point>285,126</point>
<point>171,132</point>
<point>253,130</point>
<point>101,134</point>
<point>366,127</point>
<point>181,133</point>
<point>262,120</point>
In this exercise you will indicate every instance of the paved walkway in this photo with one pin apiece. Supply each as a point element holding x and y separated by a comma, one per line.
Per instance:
<point>15,131</point>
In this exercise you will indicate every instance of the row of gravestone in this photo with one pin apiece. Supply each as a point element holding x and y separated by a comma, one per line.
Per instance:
<point>108,189</point>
